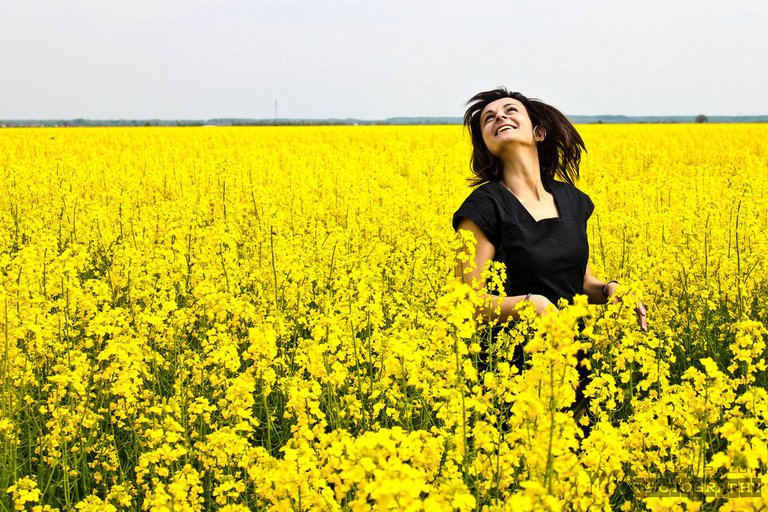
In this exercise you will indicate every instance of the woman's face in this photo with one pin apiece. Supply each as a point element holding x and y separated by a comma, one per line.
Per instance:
<point>505,121</point>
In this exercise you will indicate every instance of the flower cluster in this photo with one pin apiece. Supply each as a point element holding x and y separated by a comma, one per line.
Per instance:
<point>267,319</point>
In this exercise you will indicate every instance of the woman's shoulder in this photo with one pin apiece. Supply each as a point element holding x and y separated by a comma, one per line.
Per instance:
<point>487,189</point>
<point>482,207</point>
<point>578,198</point>
<point>484,197</point>
<point>569,190</point>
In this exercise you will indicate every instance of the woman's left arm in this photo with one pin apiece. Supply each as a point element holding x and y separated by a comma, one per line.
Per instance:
<point>598,292</point>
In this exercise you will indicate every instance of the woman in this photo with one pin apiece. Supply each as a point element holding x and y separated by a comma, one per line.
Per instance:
<point>519,214</point>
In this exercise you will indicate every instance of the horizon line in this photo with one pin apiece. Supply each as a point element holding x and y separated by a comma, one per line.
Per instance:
<point>352,121</point>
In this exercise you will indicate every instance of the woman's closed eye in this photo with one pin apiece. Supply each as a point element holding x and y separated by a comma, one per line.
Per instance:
<point>490,116</point>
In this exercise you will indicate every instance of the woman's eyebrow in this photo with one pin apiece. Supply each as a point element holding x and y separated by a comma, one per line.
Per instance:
<point>491,111</point>
<point>485,114</point>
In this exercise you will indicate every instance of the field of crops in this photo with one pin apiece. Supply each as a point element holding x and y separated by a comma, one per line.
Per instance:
<point>266,319</point>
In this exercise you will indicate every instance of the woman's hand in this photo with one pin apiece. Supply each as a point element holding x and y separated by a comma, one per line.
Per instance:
<point>540,302</point>
<point>640,311</point>
<point>641,316</point>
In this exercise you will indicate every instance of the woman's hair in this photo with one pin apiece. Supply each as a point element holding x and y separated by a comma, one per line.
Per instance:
<point>559,152</point>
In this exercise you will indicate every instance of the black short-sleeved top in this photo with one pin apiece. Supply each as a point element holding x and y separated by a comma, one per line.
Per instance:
<point>548,257</point>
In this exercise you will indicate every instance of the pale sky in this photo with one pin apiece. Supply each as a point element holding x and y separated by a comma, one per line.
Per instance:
<point>195,59</point>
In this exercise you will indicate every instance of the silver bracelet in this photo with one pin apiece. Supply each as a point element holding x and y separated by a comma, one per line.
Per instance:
<point>528,297</point>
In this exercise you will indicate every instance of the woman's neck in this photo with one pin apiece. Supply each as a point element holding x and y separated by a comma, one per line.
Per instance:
<point>522,176</point>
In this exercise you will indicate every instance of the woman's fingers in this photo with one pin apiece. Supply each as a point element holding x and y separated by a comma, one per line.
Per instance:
<point>639,310</point>
<point>642,316</point>
<point>541,303</point>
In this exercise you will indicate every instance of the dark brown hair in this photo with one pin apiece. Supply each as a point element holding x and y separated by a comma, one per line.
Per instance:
<point>559,152</point>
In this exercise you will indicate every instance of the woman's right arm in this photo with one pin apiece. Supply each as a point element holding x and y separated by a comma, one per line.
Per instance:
<point>484,252</point>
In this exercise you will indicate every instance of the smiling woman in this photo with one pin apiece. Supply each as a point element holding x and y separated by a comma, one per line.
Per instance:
<point>523,217</point>
<point>526,212</point>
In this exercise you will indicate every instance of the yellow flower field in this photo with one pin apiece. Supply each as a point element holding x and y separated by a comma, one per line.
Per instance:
<point>266,319</point>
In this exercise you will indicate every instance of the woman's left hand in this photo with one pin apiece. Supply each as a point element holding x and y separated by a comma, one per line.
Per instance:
<point>642,316</point>
<point>599,292</point>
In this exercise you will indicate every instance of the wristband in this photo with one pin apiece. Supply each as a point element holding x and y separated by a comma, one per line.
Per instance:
<point>605,288</point>
<point>528,297</point>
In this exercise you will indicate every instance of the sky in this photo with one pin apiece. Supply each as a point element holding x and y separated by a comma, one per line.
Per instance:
<point>195,59</point>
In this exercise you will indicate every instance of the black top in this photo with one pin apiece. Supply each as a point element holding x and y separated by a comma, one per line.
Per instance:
<point>548,257</point>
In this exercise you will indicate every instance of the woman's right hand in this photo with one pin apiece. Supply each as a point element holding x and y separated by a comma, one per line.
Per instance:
<point>540,302</point>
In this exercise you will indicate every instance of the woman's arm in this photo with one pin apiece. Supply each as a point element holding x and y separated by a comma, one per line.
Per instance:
<point>593,288</point>
<point>484,252</point>
<point>598,292</point>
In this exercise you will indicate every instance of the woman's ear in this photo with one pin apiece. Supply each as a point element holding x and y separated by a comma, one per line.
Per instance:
<point>539,133</point>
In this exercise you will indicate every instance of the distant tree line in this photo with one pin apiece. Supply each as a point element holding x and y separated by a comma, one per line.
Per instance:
<point>606,119</point>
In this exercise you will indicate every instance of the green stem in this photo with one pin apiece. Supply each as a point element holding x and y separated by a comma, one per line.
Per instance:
<point>550,459</point>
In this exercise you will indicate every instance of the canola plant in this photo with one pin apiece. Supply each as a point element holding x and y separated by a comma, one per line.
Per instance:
<point>267,319</point>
